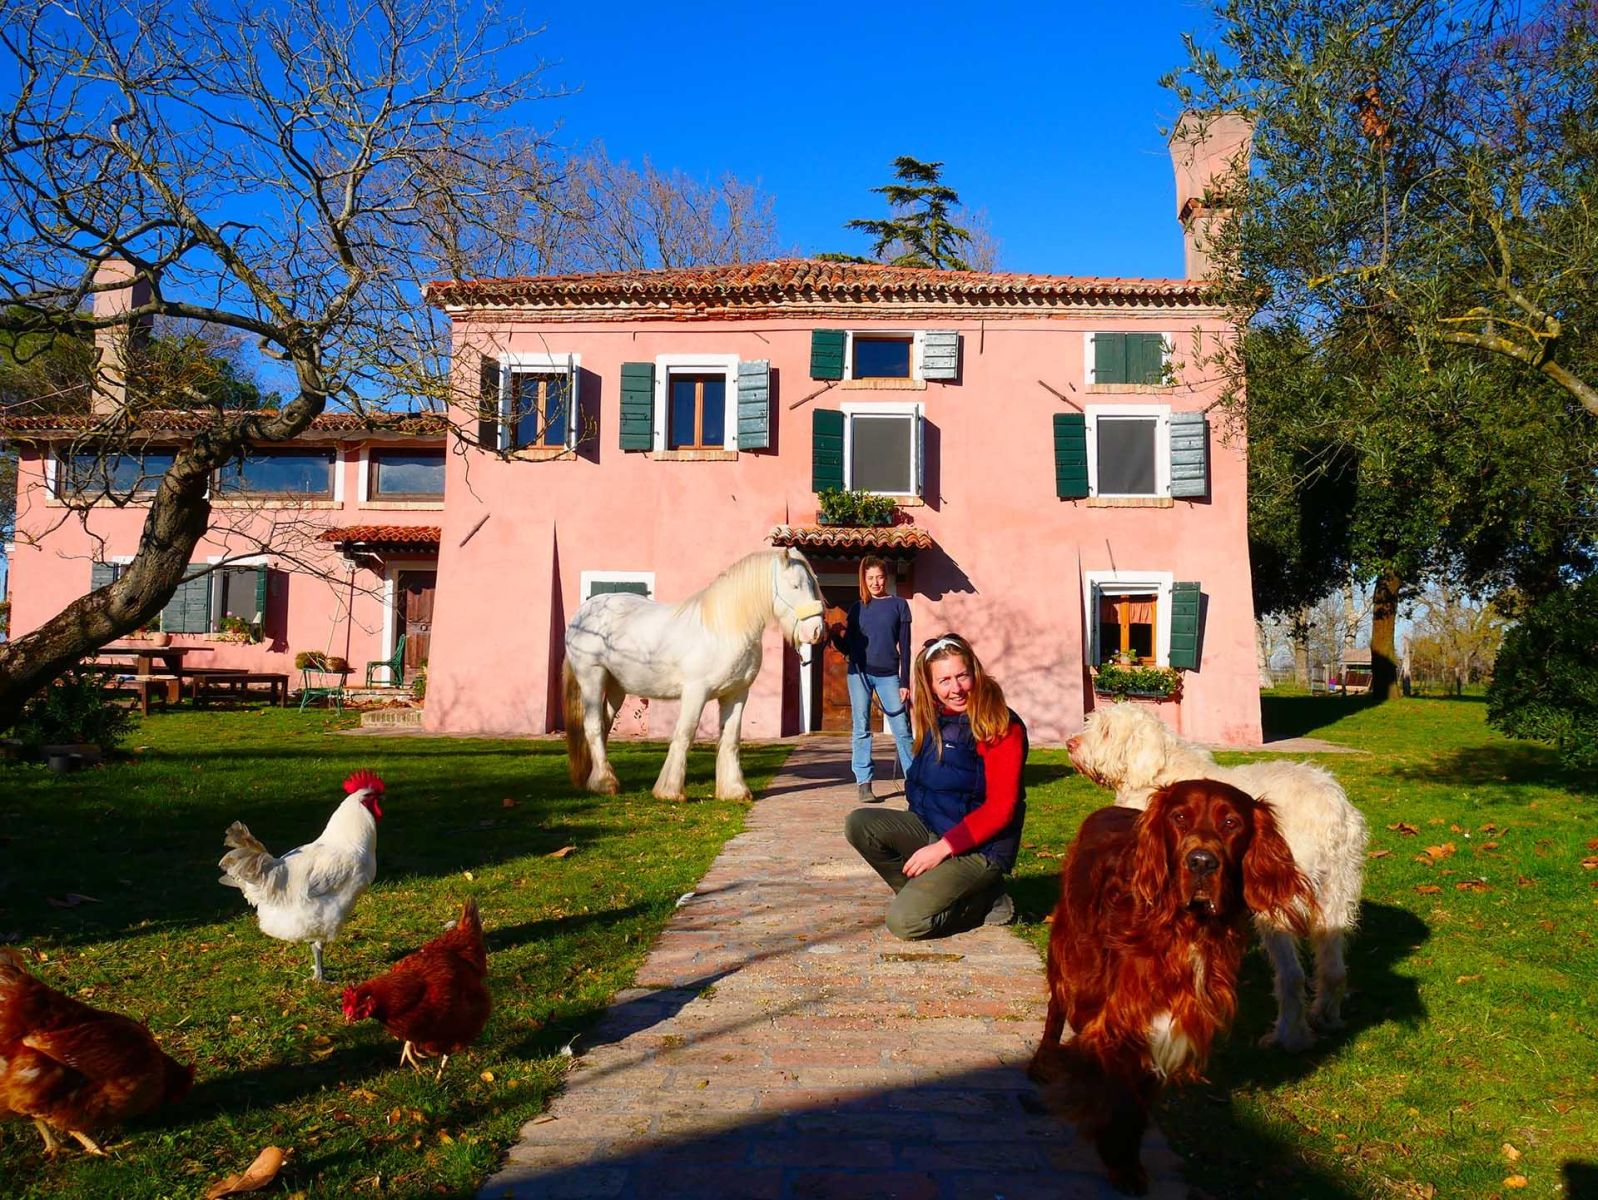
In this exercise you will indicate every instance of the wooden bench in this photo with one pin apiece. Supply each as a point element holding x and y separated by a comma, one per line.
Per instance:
<point>121,678</point>
<point>214,683</point>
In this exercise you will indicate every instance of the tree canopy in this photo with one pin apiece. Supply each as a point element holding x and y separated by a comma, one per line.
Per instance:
<point>921,232</point>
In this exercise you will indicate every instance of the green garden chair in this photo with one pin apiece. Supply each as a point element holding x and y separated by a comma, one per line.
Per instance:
<point>332,693</point>
<point>394,664</point>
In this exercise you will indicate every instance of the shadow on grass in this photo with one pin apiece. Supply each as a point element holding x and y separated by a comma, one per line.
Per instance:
<point>1581,1180</point>
<point>1517,764</point>
<point>1300,716</point>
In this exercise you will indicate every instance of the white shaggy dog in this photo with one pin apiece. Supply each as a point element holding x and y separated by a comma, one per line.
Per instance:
<point>1129,749</point>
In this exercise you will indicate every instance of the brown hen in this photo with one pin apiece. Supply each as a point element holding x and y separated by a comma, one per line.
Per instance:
<point>74,1068</point>
<point>436,1000</point>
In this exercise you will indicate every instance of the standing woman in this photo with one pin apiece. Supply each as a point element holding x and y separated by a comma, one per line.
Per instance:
<point>946,858</point>
<point>876,641</point>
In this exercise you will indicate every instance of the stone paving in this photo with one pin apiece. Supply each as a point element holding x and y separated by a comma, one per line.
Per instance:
<point>781,1045</point>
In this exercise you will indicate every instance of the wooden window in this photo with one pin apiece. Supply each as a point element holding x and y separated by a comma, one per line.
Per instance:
<point>241,593</point>
<point>696,417</point>
<point>1137,358</point>
<point>1127,626</point>
<point>540,409</point>
<point>405,475</point>
<point>878,357</point>
<point>303,474</point>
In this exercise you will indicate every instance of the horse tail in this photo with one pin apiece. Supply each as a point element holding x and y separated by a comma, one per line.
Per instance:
<point>578,758</point>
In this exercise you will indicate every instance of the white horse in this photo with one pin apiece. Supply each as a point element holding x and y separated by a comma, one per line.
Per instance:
<point>619,644</point>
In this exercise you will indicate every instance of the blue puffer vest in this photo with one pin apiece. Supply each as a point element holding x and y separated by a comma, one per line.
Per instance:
<point>942,791</point>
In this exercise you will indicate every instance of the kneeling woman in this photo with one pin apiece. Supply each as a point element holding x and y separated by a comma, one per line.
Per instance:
<point>946,857</point>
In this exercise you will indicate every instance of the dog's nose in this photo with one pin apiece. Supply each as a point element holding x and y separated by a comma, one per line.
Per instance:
<point>1202,862</point>
<point>1073,743</point>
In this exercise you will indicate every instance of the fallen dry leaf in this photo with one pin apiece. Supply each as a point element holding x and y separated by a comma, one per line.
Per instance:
<point>260,1173</point>
<point>487,1077</point>
<point>1427,889</point>
<point>1489,845</point>
<point>1522,881</point>
<point>1405,828</point>
<point>1489,828</point>
<point>1468,979</point>
<point>1378,854</point>
<point>1435,854</point>
<point>1455,829</point>
<point>1510,1152</point>
<point>1590,864</point>
<point>1473,885</point>
<point>507,802</point>
<point>561,853</point>
<point>1516,1181</point>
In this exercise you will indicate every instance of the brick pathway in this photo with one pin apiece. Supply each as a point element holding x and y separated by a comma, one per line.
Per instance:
<point>781,1044</point>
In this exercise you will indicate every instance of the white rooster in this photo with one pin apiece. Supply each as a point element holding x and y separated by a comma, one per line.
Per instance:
<point>306,895</point>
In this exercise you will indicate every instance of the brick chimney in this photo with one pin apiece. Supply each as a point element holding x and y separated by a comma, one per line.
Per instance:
<point>1206,150</point>
<point>121,294</point>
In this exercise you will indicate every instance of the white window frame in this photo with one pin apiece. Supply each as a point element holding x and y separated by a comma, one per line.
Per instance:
<point>57,452</point>
<point>1090,355</point>
<point>1161,416</point>
<point>587,580</point>
<point>1096,584</point>
<point>918,341</point>
<point>915,411</point>
<point>222,562</point>
<point>696,364</point>
<point>529,362</point>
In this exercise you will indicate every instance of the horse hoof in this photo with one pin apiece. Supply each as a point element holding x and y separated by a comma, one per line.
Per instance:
<point>741,794</point>
<point>665,795</point>
<point>606,786</point>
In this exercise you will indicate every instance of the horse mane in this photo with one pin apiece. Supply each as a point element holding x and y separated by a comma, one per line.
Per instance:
<point>738,601</point>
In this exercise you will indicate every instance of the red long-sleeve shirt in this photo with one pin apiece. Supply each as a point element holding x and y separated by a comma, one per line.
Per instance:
<point>1001,768</point>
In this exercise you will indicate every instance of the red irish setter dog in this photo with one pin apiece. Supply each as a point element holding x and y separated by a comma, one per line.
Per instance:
<point>1152,924</point>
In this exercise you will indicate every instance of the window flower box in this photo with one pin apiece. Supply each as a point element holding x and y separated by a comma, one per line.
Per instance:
<point>855,509</point>
<point>1134,682</point>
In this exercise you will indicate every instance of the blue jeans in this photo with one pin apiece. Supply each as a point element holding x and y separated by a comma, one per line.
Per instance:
<point>887,688</point>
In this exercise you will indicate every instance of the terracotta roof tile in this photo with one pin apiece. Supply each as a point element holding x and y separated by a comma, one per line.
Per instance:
<point>894,540</point>
<point>789,280</point>
<point>385,535</point>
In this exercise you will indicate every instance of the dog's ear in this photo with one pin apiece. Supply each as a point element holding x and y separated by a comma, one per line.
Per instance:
<point>1272,882</point>
<point>1151,852</point>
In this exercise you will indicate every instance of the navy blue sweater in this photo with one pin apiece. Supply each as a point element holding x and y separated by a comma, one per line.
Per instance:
<point>877,639</point>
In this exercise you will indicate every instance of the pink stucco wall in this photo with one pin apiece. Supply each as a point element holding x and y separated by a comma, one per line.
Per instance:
<point>1008,561</point>
<point>310,598</point>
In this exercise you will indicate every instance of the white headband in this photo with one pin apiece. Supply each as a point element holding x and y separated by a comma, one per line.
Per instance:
<point>949,640</point>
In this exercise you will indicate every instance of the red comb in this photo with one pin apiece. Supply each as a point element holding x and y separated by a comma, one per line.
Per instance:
<point>363,779</point>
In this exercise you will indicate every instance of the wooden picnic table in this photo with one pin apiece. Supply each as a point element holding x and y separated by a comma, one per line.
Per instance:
<point>145,677</point>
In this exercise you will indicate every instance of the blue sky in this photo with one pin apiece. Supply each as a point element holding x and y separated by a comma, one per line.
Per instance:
<point>1046,115</point>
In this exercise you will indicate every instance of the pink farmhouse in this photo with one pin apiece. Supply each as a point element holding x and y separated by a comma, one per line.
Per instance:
<point>1063,498</point>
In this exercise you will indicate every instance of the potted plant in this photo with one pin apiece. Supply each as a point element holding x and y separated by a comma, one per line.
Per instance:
<point>321,661</point>
<point>237,629</point>
<point>1145,682</point>
<point>74,720</point>
<point>855,508</point>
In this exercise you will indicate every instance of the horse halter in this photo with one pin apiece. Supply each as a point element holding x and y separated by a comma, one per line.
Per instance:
<point>802,611</point>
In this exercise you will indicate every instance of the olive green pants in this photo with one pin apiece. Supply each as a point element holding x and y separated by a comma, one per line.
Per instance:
<point>952,897</point>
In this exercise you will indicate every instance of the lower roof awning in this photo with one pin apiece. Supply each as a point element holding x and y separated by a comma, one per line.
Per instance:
<point>900,543</point>
<point>379,539</point>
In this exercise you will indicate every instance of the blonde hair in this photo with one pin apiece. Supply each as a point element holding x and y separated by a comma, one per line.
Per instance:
<point>866,563</point>
<point>986,710</point>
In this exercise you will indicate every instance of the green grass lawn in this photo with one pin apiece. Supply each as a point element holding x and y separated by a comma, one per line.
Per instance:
<point>1474,1002</point>
<point>275,1063</point>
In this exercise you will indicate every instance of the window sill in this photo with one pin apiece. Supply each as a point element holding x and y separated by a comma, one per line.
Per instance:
<point>264,502</point>
<point>542,454</point>
<point>429,505</point>
<point>692,455</point>
<point>884,385</point>
<point>1131,389</point>
<point>1130,502</point>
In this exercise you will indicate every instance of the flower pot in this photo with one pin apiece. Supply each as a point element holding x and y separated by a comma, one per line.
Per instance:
<point>158,639</point>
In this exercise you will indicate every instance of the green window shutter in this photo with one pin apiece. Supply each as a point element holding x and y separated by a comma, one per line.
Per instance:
<point>260,597</point>
<point>754,405</point>
<point>1109,358</point>
<point>489,427</point>
<point>826,353</point>
<point>636,586</point>
<point>1070,456</point>
<point>189,610</point>
<point>1185,625</point>
<point>101,574</point>
<point>1145,358</point>
<point>940,354</point>
<point>826,450</point>
<point>1190,454</point>
<point>638,406</point>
